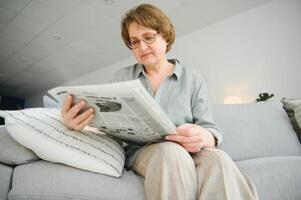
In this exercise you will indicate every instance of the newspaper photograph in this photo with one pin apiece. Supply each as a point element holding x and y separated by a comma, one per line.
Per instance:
<point>124,110</point>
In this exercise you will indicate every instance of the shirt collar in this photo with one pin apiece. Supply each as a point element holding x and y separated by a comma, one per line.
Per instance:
<point>139,69</point>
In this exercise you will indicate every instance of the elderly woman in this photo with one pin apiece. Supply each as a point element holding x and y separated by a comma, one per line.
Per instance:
<point>189,164</point>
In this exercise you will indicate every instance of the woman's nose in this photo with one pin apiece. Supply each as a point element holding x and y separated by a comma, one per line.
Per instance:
<point>142,45</point>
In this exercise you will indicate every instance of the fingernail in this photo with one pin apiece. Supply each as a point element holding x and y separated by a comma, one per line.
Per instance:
<point>166,137</point>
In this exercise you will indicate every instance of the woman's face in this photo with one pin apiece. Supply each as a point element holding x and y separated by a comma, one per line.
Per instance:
<point>147,54</point>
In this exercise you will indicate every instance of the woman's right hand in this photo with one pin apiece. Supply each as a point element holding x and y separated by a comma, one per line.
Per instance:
<point>71,116</point>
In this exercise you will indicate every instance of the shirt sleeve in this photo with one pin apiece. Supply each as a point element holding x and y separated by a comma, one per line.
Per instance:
<point>201,110</point>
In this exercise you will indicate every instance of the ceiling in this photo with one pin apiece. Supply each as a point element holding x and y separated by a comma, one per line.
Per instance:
<point>44,43</point>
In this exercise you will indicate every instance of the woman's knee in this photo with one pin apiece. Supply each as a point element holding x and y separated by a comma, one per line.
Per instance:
<point>170,169</point>
<point>212,155</point>
<point>218,153</point>
<point>171,153</point>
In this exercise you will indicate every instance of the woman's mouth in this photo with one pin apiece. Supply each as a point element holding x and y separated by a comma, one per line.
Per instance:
<point>145,55</point>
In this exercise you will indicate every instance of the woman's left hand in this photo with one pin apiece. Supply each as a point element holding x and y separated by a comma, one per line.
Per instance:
<point>192,137</point>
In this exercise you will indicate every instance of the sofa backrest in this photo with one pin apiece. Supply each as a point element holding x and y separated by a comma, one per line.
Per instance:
<point>256,130</point>
<point>49,102</point>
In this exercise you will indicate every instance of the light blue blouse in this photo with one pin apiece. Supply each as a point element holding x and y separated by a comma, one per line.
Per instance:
<point>183,96</point>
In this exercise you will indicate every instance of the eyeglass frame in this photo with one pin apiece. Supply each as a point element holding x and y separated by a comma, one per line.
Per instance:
<point>143,39</point>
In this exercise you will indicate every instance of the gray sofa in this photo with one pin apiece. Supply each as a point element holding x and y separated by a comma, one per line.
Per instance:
<point>258,137</point>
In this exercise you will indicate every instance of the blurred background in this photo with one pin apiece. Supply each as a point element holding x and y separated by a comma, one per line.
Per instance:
<point>241,47</point>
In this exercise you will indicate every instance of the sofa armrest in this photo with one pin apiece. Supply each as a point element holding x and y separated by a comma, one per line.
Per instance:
<point>13,153</point>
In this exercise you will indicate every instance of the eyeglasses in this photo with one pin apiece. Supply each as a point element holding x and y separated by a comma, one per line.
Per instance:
<point>147,39</point>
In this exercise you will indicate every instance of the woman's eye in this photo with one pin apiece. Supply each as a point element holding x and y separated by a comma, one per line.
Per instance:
<point>148,38</point>
<point>135,42</point>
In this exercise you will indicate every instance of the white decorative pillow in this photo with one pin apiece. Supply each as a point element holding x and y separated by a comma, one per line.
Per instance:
<point>291,107</point>
<point>297,112</point>
<point>42,131</point>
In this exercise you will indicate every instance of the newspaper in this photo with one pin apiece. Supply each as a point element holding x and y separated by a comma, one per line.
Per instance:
<point>124,110</point>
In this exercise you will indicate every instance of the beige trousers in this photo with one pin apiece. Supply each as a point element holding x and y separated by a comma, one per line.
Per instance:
<point>171,173</point>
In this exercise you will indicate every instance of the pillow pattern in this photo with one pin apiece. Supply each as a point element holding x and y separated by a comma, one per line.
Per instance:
<point>42,131</point>
<point>289,106</point>
<point>13,153</point>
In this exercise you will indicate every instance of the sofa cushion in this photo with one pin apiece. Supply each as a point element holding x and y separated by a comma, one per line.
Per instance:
<point>290,106</point>
<point>275,178</point>
<point>5,180</point>
<point>42,130</point>
<point>45,180</point>
<point>13,153</point>
<point>256,130</point>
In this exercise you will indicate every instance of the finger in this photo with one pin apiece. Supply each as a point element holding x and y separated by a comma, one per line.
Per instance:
<point>66,105</point>
<point>181,128</point>
<point>184,126</point>
<point>75,109</point>
<point>193,145</point>
<point>82,125</point>
<point>184,139</point>
<point>82,117</point>
<point>189,130</point>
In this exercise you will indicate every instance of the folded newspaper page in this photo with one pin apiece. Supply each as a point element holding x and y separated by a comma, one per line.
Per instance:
<point>124,110</point>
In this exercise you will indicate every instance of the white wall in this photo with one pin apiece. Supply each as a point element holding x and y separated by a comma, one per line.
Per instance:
<point>101,76</point>
<point>256,51</point>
